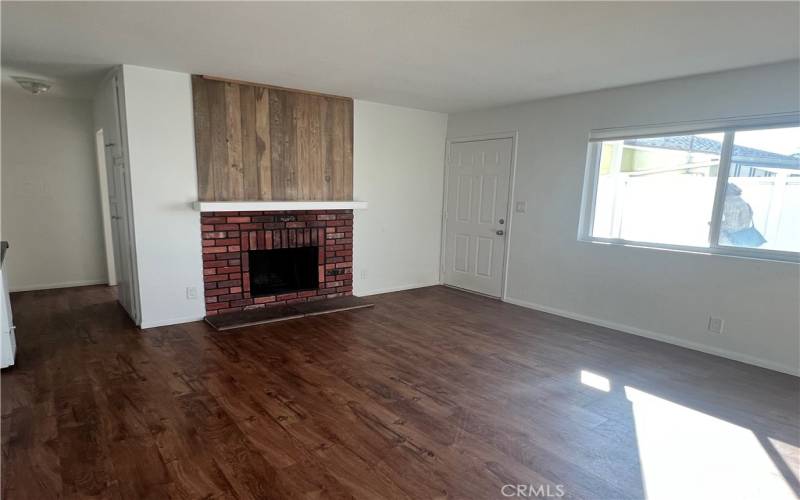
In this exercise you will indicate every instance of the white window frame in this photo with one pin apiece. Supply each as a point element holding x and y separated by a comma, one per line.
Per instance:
<point>726,126</point>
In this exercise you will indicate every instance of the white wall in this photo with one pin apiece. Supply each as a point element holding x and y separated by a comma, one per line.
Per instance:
<point>661,294</point>
<point>398,167</point>
<point>50,192</point>
<point>160,127</point>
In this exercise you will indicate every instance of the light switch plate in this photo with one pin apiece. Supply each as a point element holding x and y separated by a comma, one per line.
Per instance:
<point>520,207</point>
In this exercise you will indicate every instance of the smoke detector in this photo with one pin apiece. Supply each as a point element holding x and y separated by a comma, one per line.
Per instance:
<point>35,87</point>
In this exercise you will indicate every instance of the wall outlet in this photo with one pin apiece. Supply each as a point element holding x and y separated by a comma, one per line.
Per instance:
<point>520,207</point>
<point>715,325</point>
<point>191,293</point>
<point>363,274</point>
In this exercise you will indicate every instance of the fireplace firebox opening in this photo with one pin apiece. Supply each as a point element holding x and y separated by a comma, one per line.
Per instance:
<point>283,270</point>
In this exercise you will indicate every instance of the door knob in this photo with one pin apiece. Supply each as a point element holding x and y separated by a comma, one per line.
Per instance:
<point>499,232</point>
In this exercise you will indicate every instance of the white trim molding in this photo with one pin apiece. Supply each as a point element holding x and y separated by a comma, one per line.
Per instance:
<point>662,337</point>
<point>53,286</point>
<point>169,322</point>
<point>252,206</point>
<point>391,289</point>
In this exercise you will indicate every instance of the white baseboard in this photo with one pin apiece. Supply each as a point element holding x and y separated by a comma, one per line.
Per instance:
<point>190,319</point>
<point>393,289</point>
<point>52,286</point>
<point>669,339</point>
<point>169,322</point>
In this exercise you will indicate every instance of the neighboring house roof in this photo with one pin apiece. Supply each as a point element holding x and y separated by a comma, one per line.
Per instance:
<point>697,144</point>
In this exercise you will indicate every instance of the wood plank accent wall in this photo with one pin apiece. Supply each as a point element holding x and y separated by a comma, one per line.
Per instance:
<point>256,142</point>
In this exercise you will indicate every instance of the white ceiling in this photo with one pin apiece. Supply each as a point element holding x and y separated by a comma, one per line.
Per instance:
<point>438,56</point>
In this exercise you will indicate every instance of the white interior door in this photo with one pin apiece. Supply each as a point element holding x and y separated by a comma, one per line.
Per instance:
<point>108,237</point>
<point>476,214</point>
<point>120,205</point>
<point>116,198</point>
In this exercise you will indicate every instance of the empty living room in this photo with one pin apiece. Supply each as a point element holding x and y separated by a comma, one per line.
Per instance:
<point>400,250</point>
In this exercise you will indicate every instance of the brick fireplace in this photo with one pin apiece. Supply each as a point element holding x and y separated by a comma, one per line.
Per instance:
<point>229,237</point>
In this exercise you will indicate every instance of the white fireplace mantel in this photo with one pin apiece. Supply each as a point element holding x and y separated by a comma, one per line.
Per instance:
<point>252,206</point>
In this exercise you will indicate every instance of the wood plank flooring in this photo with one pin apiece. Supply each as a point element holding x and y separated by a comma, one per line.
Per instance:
<point>433,393</point>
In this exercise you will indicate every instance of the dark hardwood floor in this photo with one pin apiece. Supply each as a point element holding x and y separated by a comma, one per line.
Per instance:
<point>432,393</point>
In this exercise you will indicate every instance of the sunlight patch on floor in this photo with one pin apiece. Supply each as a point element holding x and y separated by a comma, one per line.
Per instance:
<point>688,454</point>
<point>596,381</point>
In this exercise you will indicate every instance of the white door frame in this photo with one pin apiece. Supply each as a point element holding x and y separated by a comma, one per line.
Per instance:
<point>514,135</point>
<point>102,172</point>
<point>122,119</point>
<point>113,121</point>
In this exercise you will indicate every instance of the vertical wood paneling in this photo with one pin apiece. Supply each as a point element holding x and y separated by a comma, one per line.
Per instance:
<point>234,180</point>
<point>324,139</point>
<point>219,147</point>
<point>257,143</point>
<point>302,152</point>
<point>247,100</point>
<point>346,192</point>
<point>289,126</point>
<point>336,151</point>
<point>263,150</point>
<point>276,105</point>
<point>316,156</point>
<point>279,117</point>
<point>202,134</point>
<point>330,145</point>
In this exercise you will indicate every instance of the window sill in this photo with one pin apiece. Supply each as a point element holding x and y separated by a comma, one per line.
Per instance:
<point>737,253</point>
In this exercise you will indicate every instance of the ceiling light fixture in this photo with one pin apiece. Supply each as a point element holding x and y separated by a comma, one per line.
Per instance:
<point>35,87</point>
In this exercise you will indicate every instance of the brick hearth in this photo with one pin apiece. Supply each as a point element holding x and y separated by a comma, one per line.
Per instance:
<point>228,236</point>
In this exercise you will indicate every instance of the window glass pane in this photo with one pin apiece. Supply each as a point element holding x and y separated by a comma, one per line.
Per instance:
<point>658,189</point>
<point>762,197</point>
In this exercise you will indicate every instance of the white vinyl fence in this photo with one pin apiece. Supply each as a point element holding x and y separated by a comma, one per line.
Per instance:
<point>676,209</point>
